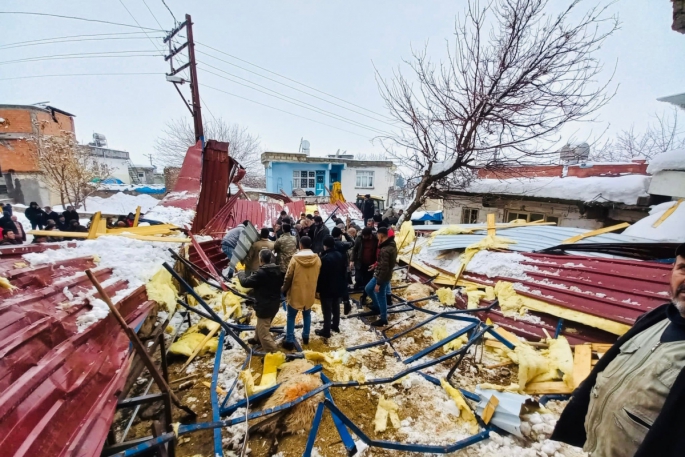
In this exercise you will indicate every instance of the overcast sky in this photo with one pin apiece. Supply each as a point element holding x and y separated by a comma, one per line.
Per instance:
<point>331,46</point>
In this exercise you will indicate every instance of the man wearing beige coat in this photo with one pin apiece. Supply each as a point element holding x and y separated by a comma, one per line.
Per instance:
<point>300,289</point>
<point>252,258</point>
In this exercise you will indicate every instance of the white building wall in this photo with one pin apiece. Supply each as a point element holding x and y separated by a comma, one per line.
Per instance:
<point>671,183</point>
<point>384,178</point>
<point>119,167</point>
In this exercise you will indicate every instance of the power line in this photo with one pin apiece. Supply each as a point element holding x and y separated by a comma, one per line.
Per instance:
<point>85,55</point>
<point>78,19</point>
<point>69,36</point>
<point>289,79</point>
<point>292,100</point>
<point>170,12</point>
<point>206,106</point>
<point>79,40</point>
<point>80,74</point>
<point>153,14</point>
<point>295,88</point>
<point>283,111</point>
<point>141,28</point>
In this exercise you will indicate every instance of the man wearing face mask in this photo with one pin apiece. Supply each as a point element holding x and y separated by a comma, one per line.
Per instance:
<point>632,403</point>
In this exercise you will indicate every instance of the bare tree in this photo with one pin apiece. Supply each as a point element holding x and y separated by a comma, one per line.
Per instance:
<point>372,156</point>
<point>179,134</point>
<point>503,93</point>
<point>68,168</point>
<point>661,135</point>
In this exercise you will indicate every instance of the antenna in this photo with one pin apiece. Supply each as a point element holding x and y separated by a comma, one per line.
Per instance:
<point>300,148</point>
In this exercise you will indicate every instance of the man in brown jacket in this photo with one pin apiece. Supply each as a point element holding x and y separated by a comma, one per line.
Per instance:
<point>300,289</point>
<point>251,260</point>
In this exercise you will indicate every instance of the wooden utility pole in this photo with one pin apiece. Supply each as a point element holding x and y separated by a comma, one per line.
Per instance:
<point>194,108</point>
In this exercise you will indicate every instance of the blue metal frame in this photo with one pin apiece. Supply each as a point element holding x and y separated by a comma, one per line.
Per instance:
<point>214,397</point>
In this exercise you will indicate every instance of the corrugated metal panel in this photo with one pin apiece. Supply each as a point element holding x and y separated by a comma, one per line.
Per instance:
<point>531,238</point>
<point>217,167</point>
<point>187,189</point>
<point>58,387</point>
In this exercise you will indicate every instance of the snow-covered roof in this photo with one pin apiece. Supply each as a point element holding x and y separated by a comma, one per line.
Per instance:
<point>621,189</point>
<point>671,229</point>
<point>671,160</point>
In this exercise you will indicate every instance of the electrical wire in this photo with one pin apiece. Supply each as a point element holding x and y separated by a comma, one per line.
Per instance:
<point>291,87</point>
<point>141,28</point>
<point>153,14</point>
<point>79,74</point>
<point>85,55</point>
<point>8,45</point>
<point>294,101</point>
<point>283,111</point>
<point>80,40</point>
<point>78,19</point>
<point>170,12</point>
<point>202,100</point>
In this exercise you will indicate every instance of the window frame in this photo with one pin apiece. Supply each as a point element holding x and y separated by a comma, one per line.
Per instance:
<point>469,219</point>
<point>365,179</point>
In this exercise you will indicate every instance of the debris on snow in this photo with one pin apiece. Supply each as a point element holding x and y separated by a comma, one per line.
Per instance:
<point>671,229</point>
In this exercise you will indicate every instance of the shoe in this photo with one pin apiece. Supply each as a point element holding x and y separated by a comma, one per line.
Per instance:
<point>347,308</point>
<point>379,323</point>
<point>252,341</point>
<point>320,333</point>
<point>374,311</point>
<point>335,329</point>
<point>305,340</point>
<point>288,346</point>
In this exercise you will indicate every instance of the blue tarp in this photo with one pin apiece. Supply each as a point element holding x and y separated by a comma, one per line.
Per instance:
<point>433,216</point>
<point>150,190</point>
<point>112,181</point>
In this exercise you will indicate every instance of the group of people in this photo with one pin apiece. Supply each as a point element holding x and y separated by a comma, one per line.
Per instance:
<point>298,261</point>
<point>12,231</point>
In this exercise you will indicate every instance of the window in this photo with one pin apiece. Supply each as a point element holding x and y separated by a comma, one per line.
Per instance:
<point>469,216</point>
<point>303,179</point>
<point>364,179</point>
<point>531,217</point>
<point>141,175</point>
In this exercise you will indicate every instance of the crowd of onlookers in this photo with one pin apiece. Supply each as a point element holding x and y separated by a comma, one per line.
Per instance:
<point>298,259</point>
<point>46,219</point>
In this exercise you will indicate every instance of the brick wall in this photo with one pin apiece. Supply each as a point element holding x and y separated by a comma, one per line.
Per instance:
<point>540,171</point>
<point>170,177</point>
<point>608,170</point>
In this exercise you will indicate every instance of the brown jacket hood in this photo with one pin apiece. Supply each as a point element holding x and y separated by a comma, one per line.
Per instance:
<point>307,259</point>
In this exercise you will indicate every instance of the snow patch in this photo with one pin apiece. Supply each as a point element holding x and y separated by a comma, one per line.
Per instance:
<point>500,264</point>
<point>172,215</point>
<point>671,160</point>
<point>119,203</point>
<point>670,229</point>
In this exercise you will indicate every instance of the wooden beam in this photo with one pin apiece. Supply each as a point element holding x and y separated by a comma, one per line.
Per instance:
<point>135,221</point>
<point>490,409</point>
<point>164,239</point>
<point>59,234</point>
<point>582,363</point>
<point>613,228</point>
<point>492,226</point>
<point>668,212</point>
<point>552,387</point>
<point>199,348</point>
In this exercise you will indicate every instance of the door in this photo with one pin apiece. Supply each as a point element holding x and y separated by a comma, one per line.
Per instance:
<point>320,175</point>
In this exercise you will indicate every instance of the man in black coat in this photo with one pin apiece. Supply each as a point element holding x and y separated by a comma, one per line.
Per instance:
<point>34,214</point>
<point>343,247</point>
<point>368,208</point>
<point>49,214</point>
<point>266,285</point>
<point>70,214</point>
<point>7,208</point>
<point>647,421</point>
<point>331,286</point>
<point>364,254</point>
<point>317,233</point>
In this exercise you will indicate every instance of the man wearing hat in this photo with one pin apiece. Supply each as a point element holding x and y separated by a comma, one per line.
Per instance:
<point>633,402</point>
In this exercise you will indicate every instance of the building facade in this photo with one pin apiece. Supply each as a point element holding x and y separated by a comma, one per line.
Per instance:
<point>20,125</point>
<point>286,172</point>
<point>116,161</point>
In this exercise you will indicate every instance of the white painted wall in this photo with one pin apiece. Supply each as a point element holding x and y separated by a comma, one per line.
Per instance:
<point>119,167</point>
<point>671,183</point>
<point>384,178</point>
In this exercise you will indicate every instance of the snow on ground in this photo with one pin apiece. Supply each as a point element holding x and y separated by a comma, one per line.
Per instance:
<point>119,203</point>
<point>671,160</point>
<point>672,229</point>
<point>171,215</point>
<point>623,189</point>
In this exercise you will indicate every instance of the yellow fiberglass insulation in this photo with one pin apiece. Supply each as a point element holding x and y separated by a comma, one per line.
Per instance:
<point>446,296</point>
<point>387,409</point>
<point>5,284</point>
<point>466,415</point>
<point>161,289</point>
<point>561,359</point>
<point>489,242</point>
<point>475,295</point>
<point>531,363</point>
<point>451,230</point>
<point>272,361</point>
<point>188,342</point>
<point>440,333</point>
<point>509,301</point>
<point>406,236</point>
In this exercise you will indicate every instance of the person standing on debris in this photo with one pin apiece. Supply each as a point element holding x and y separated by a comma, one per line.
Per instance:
<point>285,248</point>
<point>363,256</point>
<point>252,258</point>
<point>266,290</point>
<point>300,289</point>
<point>49,214</point>
<point>331,286</point>
<point>632,403</point>
<point>368,208</point>
<point>317,233</point>
<point>70,214</point>
<point>379,286</point>
<point>344,247</point>
<point>230,241</point>
<point>35,216</point>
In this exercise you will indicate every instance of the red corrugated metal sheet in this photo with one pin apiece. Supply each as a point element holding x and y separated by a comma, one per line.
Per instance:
<point>344,210</point>
<point>57,386</point>
<point>261,214</point>
<point>217,169</point>
<point>187,189</point>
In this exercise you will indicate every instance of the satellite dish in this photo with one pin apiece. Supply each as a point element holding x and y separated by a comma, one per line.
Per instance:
<point>305,146</point>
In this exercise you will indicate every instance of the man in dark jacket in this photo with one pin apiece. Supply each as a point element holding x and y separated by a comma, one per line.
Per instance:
<point>317,233</point>
<point>632,403</point>
<point>368,208</point>
<point>6,222</point>
<point>379,286</point>
<point>344,246</point>
<point>49,214</point>
<point>9,238</point>
<point>70,214</point>
<point>62,224</point>
<point>363,256</point>
<point>331,286</point>
<point>7,208</point>
<point>35,215</point>
<point>266,285</point>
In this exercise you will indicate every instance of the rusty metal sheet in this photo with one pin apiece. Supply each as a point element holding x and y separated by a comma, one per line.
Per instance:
<point>186,192</point>
<point>218,168</point>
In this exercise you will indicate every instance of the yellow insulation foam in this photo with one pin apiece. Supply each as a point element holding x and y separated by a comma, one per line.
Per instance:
<point>466,415</point>
<point>160,288</point>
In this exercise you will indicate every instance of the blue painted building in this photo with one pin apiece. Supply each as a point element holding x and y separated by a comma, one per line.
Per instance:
<point>286,171</point>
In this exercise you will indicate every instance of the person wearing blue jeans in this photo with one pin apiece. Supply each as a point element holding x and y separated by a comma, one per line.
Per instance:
<point>379,286</point>
<point>290,325</point>
<point>378,293</point>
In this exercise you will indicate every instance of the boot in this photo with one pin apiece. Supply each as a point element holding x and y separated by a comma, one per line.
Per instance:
<point>288,346</point>
<point>347,307</point>
<point>379,323</point>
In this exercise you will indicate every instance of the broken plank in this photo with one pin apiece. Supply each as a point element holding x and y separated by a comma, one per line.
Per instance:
<point>552,387</point>
<point>490,409</point>
<point>59,234</point>
<point>613,228</point>
<point>601,347</point>
<point>582,363</point>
